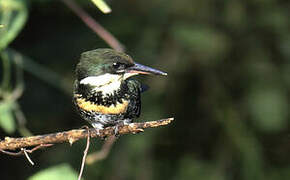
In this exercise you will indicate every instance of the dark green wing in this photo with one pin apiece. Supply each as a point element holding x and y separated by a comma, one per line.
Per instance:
<point>134,94</point>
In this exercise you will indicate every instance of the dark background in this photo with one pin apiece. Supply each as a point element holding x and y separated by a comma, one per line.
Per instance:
<point>228,65</point>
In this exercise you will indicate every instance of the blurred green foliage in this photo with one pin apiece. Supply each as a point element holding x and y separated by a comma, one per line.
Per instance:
<point>13,15</point>
<point>227,86</point>
<point>62,171</point>
<point>6,118</point>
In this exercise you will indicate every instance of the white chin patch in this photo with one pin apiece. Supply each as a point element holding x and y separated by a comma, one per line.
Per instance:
<point>107,83</point>
<point>101,80</point>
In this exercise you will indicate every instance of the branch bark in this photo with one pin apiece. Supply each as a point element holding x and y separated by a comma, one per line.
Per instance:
<point>73,135</point>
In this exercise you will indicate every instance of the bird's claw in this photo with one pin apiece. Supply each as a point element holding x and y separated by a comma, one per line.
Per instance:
<point>116,130</point>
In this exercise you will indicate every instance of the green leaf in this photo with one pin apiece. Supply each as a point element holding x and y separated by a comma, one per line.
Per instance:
<point>62,171</point>
<point>13,15</point>
<point>6,117</point>
<point>102,6</point>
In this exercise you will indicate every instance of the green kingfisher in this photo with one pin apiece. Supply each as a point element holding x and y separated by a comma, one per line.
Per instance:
<point>104,93</point>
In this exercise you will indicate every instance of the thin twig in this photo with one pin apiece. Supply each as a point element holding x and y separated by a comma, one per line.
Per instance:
<point>73,135</point>
<point>27,156</point>
<point>11,153</point>
<point>103,153</point>
<point>85,155</point>
<point>25,152</point>
<point>19,153</point>
<point>41,146</point>
<point>94,25</point>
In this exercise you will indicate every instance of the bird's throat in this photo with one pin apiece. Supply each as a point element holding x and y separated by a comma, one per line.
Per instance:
<point>106,83</point>
<point>108,93</point>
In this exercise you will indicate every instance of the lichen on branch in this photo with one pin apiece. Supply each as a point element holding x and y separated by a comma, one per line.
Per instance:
<point>73,135</point>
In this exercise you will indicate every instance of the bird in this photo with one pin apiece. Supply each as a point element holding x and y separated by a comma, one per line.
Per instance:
<point>104,93</point>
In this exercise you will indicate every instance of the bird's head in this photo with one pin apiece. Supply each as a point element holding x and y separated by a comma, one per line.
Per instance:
<point>103,66</point>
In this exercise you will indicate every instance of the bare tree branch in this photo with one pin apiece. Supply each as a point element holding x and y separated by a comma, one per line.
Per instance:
<point>73,135</point>
<point>94,25</point>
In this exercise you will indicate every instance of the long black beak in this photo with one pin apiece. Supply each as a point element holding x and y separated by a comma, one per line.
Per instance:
<point>141,69</point>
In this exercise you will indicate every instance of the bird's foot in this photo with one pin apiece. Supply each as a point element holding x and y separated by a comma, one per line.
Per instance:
<point>97,132</point>
<point>119,124</point>
<point>116,129</point>
<point>98,127</point>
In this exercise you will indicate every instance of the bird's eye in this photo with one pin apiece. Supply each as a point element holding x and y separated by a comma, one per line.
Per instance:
<point>118,65</point>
